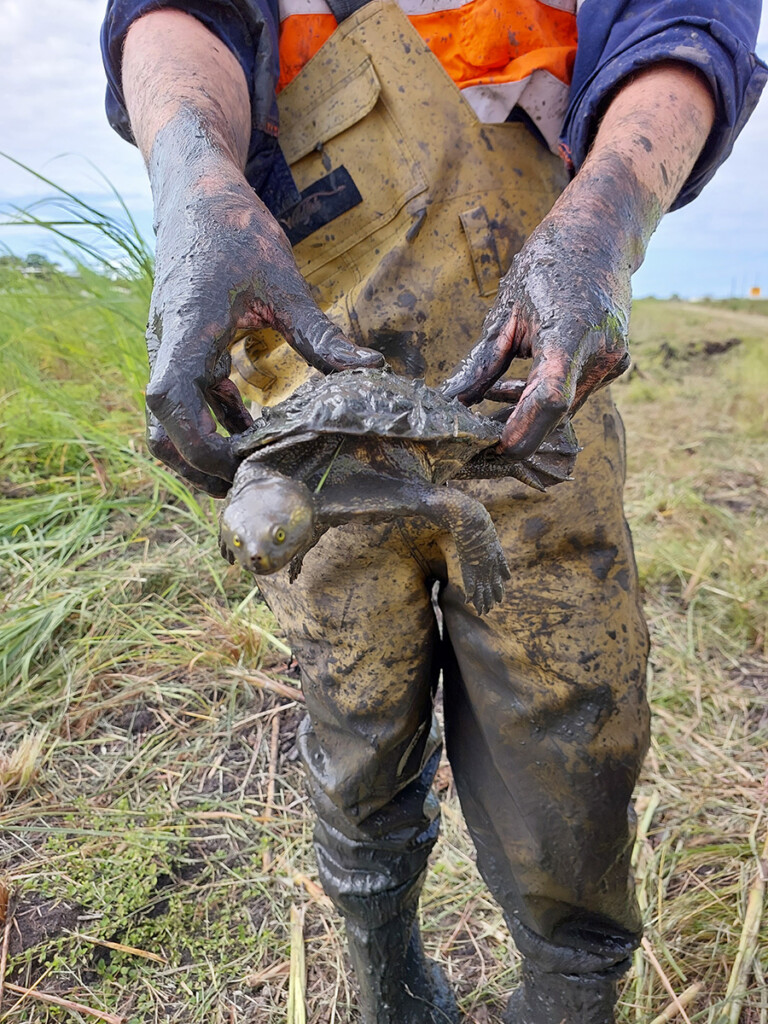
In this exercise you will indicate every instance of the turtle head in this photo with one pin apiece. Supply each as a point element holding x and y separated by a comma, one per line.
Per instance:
<point>266,522</point>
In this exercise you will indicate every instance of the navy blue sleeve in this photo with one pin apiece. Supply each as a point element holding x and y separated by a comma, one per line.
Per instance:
<point>249,29</point>
<point>619,37</point>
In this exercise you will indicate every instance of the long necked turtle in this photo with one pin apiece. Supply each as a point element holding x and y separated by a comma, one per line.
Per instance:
<point>368,445</point>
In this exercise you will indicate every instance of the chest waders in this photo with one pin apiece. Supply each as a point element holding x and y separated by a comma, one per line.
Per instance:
<point>545,715</point>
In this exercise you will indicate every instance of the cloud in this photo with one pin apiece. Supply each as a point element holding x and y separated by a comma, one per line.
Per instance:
<point>52,83</point>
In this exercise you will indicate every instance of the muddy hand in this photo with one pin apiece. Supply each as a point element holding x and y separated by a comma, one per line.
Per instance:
<point>223,265</point>
<point>564,302</point>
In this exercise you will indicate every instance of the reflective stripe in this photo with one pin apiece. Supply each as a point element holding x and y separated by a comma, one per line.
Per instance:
<point>290,7</point>
<point>430,6</point>
<point>492,103</point>
<point>542,96</point>
<point>500,53</point>
<point>546,101</point>
<point>561,5</point>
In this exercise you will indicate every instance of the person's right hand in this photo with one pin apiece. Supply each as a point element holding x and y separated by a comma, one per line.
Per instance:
<point>223,265</point>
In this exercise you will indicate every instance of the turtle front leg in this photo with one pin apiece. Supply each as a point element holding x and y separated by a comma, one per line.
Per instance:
<point>296,563</point>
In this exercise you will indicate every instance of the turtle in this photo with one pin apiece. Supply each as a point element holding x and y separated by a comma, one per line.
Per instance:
<point>369,445</point>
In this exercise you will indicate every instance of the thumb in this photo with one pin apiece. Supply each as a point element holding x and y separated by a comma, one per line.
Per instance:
<point>323,344</point>
<point>544,402</point>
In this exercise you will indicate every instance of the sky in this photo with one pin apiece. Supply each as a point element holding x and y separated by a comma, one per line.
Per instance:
<point>52,118</point>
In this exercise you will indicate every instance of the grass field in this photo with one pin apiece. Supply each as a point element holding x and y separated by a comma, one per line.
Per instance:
<point>155,834</point>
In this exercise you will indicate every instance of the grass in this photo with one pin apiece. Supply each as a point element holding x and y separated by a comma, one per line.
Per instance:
<point>155,833</point>
<point>698,502</point>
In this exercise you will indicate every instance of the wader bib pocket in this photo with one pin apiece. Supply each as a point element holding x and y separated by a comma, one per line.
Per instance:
<point>411,209</point>
<point>346,127</point>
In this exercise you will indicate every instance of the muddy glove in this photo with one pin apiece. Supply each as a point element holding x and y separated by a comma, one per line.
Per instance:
<point>223,265</point>
<point>565,303</point>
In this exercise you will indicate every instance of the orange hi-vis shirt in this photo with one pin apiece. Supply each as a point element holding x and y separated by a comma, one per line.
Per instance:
<point>500,53</point>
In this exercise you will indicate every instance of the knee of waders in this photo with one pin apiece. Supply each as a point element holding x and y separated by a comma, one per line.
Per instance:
<point>370,908</point>
<point>363,778</point>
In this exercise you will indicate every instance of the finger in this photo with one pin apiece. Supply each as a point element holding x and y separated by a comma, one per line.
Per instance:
<point>562,377</point>
<point>490,357</point>
<point>543,404</point>
<point>161,446</point>
<point>505,391</point>
<point>323,345</point>
<point>228,408</point>
<point>176,403</point>
<point>180,408</point>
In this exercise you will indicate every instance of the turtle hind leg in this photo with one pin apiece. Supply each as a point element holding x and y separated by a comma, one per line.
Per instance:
<point>484,568</point>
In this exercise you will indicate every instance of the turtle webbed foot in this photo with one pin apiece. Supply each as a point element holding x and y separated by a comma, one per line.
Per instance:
<point>484,568</point>
<point>483,581</point>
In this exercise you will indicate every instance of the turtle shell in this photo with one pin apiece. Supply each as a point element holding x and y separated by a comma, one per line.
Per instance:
<point>368,402</point>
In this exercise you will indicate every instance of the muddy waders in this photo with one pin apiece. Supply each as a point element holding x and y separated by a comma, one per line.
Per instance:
<point>545,714</point>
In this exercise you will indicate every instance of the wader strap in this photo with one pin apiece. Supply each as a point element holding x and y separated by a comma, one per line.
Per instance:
<point>343,8</point>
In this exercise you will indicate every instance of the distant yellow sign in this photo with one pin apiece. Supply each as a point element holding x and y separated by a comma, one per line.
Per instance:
<point>754,293</point>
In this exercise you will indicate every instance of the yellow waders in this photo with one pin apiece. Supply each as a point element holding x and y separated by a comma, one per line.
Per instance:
<point>545,713</point>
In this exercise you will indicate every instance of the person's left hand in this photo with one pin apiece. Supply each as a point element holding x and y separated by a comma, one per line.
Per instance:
<point>565,302</point>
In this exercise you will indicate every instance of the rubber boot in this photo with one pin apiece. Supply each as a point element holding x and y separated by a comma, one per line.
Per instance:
<point>373,871</point>
<point>545,998</point>
<point>397,983</point>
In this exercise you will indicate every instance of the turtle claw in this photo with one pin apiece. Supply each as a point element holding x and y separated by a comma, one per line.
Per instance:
<point>483,598</point>
<point>497,586</point>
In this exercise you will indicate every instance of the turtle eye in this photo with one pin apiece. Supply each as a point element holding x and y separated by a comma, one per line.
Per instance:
<point>236,542</point>
<point>279,535</point>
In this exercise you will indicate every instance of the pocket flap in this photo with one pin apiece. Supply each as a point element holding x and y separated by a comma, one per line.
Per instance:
<point>482,247</point>
<point>346,100</point>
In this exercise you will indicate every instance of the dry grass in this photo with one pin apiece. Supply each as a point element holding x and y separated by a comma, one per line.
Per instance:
<point>19,766</point>
<point>155,839</point>
<point>697,498</point>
